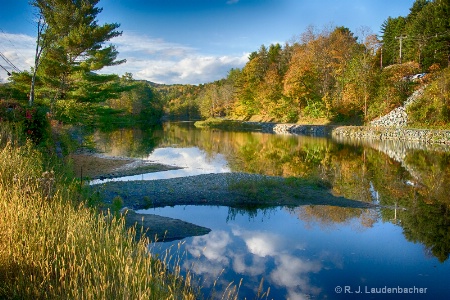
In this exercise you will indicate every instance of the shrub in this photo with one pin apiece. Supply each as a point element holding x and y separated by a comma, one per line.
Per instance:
<point>33,121</point>
<point>433,108</point>
<point>36,124</point>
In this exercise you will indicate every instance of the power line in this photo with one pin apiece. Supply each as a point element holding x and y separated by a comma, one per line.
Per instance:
<point>9,62</point>
<point>423,37</point>
<point>7,72</point>
<point>12,44</point>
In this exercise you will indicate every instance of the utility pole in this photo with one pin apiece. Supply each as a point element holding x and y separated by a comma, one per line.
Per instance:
<point>381,57</point>
<point>401,37</point>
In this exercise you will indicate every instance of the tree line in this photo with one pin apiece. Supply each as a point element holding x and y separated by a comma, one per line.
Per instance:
<point>330,74</point>
<point>323,75</point>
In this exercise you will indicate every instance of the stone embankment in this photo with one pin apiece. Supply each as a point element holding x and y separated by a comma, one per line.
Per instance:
<point>386,133</point>
<point>391,127</point>
<point>398,117</point>
<point>388,127</point>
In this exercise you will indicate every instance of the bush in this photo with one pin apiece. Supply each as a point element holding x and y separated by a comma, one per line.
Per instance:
<point>33,121</point>
<point>394,88</point>
<point>36,124</point>
<point>433,108</point>
<point>10,111</point>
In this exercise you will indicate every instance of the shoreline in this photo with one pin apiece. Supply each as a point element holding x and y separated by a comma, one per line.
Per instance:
<point>93,165</point>
<point>236,190</point>
<point>426,136</point>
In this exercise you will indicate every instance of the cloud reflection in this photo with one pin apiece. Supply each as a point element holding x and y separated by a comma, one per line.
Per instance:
<point>292,273</point>
<point>256,254</point>
<point>260,243</point>
<point>189,158</point>
<point>193,161</point>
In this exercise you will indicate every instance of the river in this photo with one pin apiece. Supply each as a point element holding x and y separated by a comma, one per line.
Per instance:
<point>398,250</point>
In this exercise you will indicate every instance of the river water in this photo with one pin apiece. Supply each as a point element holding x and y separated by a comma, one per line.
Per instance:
<point>397,251</point>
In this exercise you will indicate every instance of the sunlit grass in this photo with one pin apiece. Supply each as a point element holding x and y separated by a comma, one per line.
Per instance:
<point>227,124</point>
<point>52,248</point>
<point>273,190</point>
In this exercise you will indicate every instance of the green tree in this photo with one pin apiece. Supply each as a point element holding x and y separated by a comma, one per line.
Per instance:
<point>392,29</point>
<point>71,43</point>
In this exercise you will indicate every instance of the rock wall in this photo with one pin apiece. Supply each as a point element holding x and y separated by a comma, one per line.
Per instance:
<point>391,127</point>
<point>392,133</point>
<point>398,117</point>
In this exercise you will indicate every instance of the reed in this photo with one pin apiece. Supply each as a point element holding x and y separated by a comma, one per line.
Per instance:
<point>52,247</point>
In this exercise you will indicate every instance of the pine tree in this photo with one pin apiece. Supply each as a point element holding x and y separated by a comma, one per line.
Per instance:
<point>72,48</point>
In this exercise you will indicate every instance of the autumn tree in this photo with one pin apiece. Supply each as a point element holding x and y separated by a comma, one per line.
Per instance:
<point>358,80</point>
<point>301,79</point>
<point>317,70</point>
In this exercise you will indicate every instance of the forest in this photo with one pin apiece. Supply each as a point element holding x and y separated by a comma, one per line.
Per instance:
<point>323,76</point>
<point>330,75</point>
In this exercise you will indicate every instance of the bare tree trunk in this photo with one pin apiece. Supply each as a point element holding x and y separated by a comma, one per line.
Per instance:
<point>37,57</point>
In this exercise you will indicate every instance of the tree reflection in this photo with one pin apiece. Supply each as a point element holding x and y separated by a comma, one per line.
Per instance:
<point>329,216</point>
<point>429,225</point>
<point>134,143</point>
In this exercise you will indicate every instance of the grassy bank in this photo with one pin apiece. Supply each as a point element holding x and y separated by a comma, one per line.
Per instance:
<point>54,247</point>
<point>227,124</point>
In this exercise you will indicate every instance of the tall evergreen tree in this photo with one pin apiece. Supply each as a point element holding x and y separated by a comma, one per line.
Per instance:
<point>392,29</point>
<point>72,44</point>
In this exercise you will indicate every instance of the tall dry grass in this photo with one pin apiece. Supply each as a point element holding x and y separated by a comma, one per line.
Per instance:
<point>51,248</point>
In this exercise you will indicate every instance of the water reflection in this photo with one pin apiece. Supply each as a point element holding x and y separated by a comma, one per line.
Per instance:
<point>192,161</point>
<point>307,251</point>
<point>414,178</point>
<point>302,259</point>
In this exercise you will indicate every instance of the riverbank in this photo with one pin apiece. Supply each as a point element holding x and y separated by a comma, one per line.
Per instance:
<point>425,136</point>
<point>47,229</point>
<point>239,190</point>
<point>428,136</point>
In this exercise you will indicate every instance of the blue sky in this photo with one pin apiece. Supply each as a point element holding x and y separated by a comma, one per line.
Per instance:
<point>197,41</point>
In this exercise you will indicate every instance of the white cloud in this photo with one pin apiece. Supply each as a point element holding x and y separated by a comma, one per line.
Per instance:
<point>135,44</point>
<point>152,59</point>
<point>163,62</point>
<point>19,49</point>
<point>190,158</point>
<point>210,255</point>
<point>255,267</point>
<point>212,246</point>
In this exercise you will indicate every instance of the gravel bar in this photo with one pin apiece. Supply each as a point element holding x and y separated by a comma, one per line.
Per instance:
<point>223,189</point>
